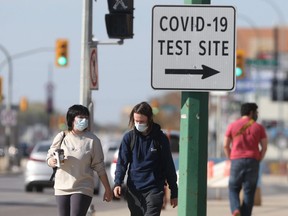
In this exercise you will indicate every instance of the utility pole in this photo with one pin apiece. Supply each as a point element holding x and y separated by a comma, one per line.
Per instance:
<point>8,104</point>
<point>86,44</point>
<point>85,93</point>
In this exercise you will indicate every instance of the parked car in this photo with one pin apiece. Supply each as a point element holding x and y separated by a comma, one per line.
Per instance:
<point>173,137</point>
<point>109,148</point>
<point>37,172</point>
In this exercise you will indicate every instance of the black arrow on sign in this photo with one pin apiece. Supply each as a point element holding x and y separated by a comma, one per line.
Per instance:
<point>205,71</point>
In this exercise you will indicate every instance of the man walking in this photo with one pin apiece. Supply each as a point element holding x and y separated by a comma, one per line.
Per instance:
<point>146,157</point>
<point>245,144</point>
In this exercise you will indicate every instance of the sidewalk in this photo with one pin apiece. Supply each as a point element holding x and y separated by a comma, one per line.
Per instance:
<point>274,201</point>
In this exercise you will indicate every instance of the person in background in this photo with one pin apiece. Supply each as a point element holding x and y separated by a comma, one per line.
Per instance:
<point>241,146</point>
<point>146,151</point>
<point>74,179</point>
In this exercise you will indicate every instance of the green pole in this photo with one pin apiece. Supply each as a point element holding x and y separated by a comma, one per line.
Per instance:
<point>193,150</point>
<point>193,154</point>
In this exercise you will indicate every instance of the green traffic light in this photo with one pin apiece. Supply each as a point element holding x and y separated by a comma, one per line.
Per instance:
<point>239,72</point>
<point>62,61</point>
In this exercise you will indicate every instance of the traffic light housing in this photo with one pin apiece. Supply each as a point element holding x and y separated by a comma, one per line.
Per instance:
<point>23,106</point>
<point>119,21</point>
<point>61,52</point>
<point>155,106</point>
<point>240,64</point>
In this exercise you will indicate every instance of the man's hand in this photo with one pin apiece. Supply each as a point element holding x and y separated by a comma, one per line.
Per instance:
<point>117,192</point>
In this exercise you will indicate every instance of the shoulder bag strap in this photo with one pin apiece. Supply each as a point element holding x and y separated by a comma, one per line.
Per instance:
<point>55,168</point>
<point>244,127</point>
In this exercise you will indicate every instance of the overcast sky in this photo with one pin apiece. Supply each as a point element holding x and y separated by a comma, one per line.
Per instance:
<point>124,71</point>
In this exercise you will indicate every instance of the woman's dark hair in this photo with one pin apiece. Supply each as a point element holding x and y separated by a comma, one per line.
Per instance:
<point>246,108</point>
<point>74,111</point>
<point>142,108</point>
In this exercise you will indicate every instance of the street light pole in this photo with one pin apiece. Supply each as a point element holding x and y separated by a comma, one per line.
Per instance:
<point>9,61</point>
<point>88,42</point>
<point>9,99</point>
<point>85,92</point>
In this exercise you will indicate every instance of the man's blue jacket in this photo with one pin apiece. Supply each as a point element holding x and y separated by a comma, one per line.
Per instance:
<point>150,164</point>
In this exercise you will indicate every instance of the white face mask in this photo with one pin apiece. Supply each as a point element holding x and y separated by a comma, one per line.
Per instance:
<point>141,127</point>
<point>80,124</point>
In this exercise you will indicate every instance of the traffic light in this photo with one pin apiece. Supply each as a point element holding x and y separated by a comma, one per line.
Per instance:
<point>61,53</point>
<point>155,106</point>
<point>62,122</point>
<point>119,21</point>
<point>23,106</point>
<point>240,65</point>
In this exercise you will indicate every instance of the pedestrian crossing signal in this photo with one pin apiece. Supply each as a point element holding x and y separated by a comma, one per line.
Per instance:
<point>119,21</point>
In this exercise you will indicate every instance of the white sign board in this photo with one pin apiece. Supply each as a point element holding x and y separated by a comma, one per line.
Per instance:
<point>193,47</point>
<point>93,69</point>
<point>8,117</point>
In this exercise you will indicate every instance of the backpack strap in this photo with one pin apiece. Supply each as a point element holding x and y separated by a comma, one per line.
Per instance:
<point>132,139</point>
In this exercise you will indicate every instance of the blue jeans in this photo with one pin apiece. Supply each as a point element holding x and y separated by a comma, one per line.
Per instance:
<point>243,173</point>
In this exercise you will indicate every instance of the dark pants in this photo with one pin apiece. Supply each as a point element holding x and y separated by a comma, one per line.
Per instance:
<point>145,203</point>
<point>244,173</point>
<point>73,205</point>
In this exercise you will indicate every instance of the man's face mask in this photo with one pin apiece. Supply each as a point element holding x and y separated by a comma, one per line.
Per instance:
<point>141,127</point>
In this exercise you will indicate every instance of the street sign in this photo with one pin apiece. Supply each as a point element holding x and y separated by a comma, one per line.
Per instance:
<point>193,47</point>
<point>93,69</point>
<point>261,62</point>
<point>8,117</point>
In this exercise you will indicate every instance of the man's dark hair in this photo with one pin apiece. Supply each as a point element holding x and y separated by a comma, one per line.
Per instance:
<point>246,108</point>
<point>142,108</point>
<point>74,111</point>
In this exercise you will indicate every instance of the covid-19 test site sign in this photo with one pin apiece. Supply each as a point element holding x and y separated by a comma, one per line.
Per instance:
<point>193,47</point>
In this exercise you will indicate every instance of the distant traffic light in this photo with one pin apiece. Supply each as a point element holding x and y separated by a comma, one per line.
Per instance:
<point>119,21</point>
<point>23,106</point>
<point>61,53</point>
<point>240,64</point>
<point>62,122</point>
<point>155,106</point>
